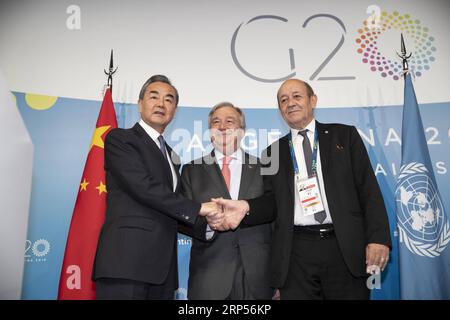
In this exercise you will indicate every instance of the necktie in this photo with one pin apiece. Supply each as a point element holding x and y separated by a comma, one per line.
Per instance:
<point>162,146</point>
<point>226,171</point>
<point>318,216</point>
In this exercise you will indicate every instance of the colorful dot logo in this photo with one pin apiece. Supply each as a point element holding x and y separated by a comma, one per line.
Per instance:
<point>423,53</point>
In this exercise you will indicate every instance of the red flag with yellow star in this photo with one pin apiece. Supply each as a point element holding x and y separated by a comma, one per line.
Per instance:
<point>88,215</point>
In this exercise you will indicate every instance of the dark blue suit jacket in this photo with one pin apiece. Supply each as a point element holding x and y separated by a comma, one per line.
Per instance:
<point>354,199</point>
<point>138,240</point>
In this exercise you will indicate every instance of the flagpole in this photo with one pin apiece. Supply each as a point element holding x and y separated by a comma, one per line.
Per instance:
<point>404,56</point>
<point>110,72</point>
<point>89,211</point>
<point>422,223</point>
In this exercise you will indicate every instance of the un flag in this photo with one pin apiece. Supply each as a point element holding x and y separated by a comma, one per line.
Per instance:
<point>422,222</point>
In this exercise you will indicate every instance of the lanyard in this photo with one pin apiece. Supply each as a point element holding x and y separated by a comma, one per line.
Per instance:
<point>314,152</point>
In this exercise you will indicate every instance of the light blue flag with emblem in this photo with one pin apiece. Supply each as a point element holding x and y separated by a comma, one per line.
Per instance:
<point>423,225</point>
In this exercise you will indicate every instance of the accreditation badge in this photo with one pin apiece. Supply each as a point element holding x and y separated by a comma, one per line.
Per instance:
<point>309,195</point>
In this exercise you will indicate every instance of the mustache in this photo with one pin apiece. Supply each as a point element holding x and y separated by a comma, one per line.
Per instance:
<point>294,108</point>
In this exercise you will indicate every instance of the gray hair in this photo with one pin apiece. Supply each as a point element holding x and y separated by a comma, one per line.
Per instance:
<point>158,78</point>
<point>226,104</point>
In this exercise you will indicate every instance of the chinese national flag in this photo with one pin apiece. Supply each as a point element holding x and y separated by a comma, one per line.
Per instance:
<point>88,215</point>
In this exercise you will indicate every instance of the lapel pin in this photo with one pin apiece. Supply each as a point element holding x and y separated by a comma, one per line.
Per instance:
<point>326,131</point>
<point>339,147</point>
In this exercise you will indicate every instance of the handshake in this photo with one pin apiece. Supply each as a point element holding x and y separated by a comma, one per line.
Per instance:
<point>223,215</point>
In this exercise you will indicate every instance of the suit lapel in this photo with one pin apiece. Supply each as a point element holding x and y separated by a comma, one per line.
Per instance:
<point>213,170</point>
<point>324,146</point>
<point>154,149</point>
<point>326,155</point>
<point>248,171</point>
<point>286,161</point>
<point>176,165</point>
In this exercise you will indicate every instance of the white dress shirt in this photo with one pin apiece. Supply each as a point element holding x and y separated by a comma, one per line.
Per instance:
<point>297,140</point>
<point>235,165</point>
<point>154,135</point>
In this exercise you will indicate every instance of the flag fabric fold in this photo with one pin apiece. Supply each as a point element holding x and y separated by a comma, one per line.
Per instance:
<point>423,225</point>
<point>88,214</point>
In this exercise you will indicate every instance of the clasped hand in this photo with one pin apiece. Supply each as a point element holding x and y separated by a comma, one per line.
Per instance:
<point>223,215</point>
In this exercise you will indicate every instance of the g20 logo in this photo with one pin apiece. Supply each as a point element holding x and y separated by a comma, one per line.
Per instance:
<point>292,73</point>
<point>369,35</point>
<point>37,249</point>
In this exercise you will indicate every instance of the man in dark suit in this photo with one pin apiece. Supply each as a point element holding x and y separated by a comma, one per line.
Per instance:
<point>232,264</point>
<point>137,249</point>
<point>326,242</point>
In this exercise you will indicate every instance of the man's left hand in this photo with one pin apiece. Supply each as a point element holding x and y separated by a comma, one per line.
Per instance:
<point>376,255</point>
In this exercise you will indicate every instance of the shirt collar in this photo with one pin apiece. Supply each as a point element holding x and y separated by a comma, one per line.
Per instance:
<point>150,131</point>
<point>236,155</point>
<point>311,128</point>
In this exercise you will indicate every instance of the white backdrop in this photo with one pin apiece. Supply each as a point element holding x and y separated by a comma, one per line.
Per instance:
<point>50,47</point>
<point>15,170</point>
